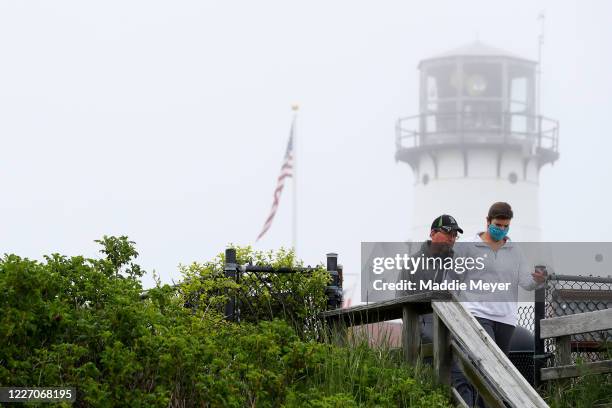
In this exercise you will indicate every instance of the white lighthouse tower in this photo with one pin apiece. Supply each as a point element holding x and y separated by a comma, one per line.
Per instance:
<point>478,138</point>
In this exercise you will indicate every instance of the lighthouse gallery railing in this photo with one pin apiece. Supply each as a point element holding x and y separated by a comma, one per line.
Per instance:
<point>477,127</point>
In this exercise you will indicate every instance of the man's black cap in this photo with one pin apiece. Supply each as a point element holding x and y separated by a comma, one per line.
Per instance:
<point>447,223</point>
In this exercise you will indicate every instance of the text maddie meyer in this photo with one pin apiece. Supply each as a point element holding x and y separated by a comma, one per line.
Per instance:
<point>453,285</point>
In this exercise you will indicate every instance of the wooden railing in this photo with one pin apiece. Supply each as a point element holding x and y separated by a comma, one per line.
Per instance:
<point>455,333</point>
<point>561,329</point>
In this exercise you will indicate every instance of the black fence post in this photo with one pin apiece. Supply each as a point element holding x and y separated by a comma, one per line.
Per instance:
<point>539,309</point>
<point>230,270</point>
<point>334,289</point>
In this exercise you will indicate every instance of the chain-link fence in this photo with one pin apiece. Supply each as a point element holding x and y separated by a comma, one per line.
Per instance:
<point>526,317</point>
<point>567,295</point>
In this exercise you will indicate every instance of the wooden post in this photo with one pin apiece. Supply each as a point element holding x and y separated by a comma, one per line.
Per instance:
<point>442,357</point>
<point>564,350</point>
<point>411,334</point>
<point>563,356</point>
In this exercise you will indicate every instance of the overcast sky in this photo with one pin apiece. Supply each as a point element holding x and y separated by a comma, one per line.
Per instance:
<point>167,121</point>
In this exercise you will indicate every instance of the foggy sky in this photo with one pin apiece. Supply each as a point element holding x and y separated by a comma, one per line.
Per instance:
<point>167,121</point>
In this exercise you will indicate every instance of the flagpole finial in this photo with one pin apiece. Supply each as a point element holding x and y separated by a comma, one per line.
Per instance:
<point>295,107</point>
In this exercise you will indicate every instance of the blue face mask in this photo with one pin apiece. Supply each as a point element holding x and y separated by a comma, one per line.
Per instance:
<point>497,233</point>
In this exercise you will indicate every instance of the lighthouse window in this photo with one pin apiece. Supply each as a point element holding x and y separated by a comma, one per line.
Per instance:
<point>432,93</point>
<point>439,84</point>
<point>513,178</point>
<point>518,94</point>
<point>520,87</point>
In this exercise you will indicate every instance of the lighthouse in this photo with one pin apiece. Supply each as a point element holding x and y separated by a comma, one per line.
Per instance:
<point>478,138</point>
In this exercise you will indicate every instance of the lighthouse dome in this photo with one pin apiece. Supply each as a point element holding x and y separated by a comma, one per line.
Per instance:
<point>477,49</point>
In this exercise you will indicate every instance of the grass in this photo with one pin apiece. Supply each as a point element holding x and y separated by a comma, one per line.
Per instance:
<point>586,391</point>
<point>357,372</point>
<point>380,360</point>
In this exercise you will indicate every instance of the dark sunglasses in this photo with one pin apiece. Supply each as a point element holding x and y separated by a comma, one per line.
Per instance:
<point>448,230</point>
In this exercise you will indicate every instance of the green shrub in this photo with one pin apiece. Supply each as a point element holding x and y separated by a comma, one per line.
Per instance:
<point>72,321</point>
<point>293,297</point>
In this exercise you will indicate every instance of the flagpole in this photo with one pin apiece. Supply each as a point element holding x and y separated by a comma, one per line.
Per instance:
<point>541,18</point>
<point>295,175</point>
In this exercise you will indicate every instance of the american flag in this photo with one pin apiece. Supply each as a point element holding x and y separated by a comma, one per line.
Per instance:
<point>286,171</point>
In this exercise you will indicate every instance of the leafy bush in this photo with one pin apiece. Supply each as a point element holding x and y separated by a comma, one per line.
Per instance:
<point>72,321</point>
<point>294,297</point>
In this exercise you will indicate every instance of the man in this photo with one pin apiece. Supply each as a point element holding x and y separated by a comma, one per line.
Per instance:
<point>504,262</point>
<point>443,234</point>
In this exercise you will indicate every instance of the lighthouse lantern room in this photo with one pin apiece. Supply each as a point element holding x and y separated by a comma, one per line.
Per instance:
<point>478,138</point>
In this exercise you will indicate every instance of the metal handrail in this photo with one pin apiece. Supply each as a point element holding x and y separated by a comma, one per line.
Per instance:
<point>454,126</point>
<point>580,278</point>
